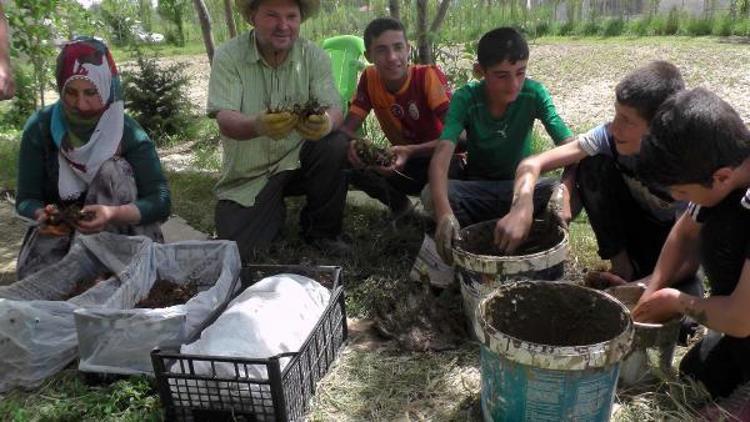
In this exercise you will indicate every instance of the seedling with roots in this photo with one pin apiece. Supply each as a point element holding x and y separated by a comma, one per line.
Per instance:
<point>310,108</point>
<point>372,154</point>
<point>63,221</point>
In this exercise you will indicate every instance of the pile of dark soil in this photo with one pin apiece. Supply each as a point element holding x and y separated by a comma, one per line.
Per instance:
<point>421,320</point>
<point>556,315</point>
<point>164,294</point>
<point>83,285</point>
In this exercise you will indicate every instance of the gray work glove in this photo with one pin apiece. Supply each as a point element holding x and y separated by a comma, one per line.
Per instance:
<point>447,232</point>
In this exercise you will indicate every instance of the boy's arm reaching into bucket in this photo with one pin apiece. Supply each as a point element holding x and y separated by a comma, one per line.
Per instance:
<point>447,226</point>
<point>726,314</point>
<point>512,229</point>
<point>678,258</point>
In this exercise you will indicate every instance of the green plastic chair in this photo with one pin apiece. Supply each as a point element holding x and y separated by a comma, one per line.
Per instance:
<point>346,52</point>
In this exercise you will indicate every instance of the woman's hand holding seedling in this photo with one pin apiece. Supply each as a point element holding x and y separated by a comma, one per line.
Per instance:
<point>314,126</point>
<point>275,125</point>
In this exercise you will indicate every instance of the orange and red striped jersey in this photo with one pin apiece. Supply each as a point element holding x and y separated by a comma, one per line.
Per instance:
<point>412,115</point>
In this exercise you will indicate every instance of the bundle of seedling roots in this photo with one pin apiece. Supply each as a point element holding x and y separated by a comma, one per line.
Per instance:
<point>62,221</point>
<point>372,154</point>
<point>302,111</point>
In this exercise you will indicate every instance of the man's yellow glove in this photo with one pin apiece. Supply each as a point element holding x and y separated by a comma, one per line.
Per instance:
<point>447,232</point>
<point>314,126</point>
<point>275,125</point>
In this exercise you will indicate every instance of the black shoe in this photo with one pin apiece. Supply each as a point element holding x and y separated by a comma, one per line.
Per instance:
<point>340,245</point>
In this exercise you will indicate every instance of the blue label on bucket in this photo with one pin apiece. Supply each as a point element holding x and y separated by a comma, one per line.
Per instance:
<point>515,392</point>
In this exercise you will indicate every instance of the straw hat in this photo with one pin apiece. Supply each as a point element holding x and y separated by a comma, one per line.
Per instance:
<point>307,8</point>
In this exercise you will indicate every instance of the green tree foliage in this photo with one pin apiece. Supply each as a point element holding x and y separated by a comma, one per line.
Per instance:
<point>121,18</point>
<point>35,43</point>
<point>175,12</point>
<point>155,96</point>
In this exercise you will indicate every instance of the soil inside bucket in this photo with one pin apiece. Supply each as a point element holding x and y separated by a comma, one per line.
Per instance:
<point>479,239</point>
<point>164,294</point>
<point>555,315</point>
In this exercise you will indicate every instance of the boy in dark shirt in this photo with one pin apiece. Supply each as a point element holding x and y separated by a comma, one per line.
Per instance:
<point>698,148</point>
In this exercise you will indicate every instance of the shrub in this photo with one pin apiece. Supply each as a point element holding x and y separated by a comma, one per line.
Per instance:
<point>638,27</point>
<point>613,27</point>
<point>587,29</point>
<point>699,26</point>
<point>723,26</point>
<point>567,28</point>
<point>155,96</point>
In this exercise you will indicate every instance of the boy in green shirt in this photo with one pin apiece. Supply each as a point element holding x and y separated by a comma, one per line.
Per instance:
<point>498,114</point>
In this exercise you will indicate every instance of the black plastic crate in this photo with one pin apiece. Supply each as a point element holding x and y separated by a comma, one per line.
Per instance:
<point>284,395</point>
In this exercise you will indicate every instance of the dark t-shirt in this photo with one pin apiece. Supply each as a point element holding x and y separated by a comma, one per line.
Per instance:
<point>725,240</point>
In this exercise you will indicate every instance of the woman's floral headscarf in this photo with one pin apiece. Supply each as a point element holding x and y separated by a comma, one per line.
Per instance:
<point>83,152</point>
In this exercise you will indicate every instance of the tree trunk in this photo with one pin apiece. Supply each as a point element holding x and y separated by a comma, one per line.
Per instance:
<point>440,16</point>
<point>424,50</point>
<point>229,17</point>
<point>205,21</point>
<point>395,7</point>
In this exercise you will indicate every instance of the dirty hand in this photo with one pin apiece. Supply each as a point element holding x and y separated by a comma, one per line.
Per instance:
<point>559,205</point>
<point>49,222</point>
<point>275,125</point>
<point>315,126</point>
<point>601,280</point>
<point>42,215</point>
<point>352,156</point>
<point>512,230</point>
<point>662,305</point>
<point>101,216</point>
<point>445,234</point>
<point>401,154</point>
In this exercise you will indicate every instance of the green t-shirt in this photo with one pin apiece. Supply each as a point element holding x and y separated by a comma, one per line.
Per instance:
<point>496,146</point>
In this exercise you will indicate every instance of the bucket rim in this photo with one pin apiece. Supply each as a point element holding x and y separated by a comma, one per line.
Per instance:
<point>564,358</point>
<point>492,264</point>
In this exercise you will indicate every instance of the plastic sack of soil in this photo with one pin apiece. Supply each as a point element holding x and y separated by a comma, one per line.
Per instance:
<point>275,316</point>
<point>37,328</point>
<point>182,284</point>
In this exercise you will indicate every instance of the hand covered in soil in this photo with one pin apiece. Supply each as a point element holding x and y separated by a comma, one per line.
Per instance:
<point>97,218</point>
<point>662,305</point>
<point>401,154</point>
<point>446,234</point>
<point>601,280</point>
<point>50,223</point>
<point>275,125</point>
<point>315,126</point>
<point>513,229</point>
<point>560,204</point>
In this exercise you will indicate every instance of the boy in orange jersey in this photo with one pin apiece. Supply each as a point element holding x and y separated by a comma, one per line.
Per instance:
<point>410,103</point>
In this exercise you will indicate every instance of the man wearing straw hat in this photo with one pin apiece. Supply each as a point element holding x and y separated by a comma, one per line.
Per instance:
<point>259,82</point>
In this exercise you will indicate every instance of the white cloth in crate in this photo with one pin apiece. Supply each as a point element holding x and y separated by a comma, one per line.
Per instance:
<point>273,316</point>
